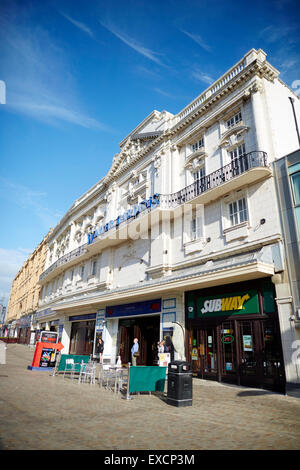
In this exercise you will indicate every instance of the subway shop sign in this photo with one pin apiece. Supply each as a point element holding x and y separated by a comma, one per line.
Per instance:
<point>236,303</point>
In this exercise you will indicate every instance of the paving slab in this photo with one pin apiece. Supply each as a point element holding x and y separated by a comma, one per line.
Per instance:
<point>42,412</point>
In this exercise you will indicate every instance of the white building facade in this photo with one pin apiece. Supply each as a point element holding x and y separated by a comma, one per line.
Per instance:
<point>183,235</point>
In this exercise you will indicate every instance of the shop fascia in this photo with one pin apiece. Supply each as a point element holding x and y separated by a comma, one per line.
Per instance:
<point>131,213</point>
<point>229,304</point>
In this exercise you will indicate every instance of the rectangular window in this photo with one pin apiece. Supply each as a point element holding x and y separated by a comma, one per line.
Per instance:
<point>82,272</point>
<point>296,187</point>
<point>238,152</point>
<point>295,180</point>
<point>94,268</point>
<point>238,211</point>
<point>197,145</point>
<point>234,120</point>
<point>197,223</point>
<point>199,174</point>
<point>72,275</point>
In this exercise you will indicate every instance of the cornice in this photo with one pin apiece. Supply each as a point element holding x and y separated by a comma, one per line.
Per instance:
<point>261,69</point>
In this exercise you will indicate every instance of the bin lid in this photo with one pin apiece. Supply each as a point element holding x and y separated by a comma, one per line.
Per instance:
<point>179,366</point>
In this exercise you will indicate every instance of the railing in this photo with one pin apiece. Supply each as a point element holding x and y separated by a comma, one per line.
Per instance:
<point>64,259</point>
<point>235,70</point>
<point>226,173</point>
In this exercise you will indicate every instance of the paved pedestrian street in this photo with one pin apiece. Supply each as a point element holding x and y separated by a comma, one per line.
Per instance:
<point>42,412</point>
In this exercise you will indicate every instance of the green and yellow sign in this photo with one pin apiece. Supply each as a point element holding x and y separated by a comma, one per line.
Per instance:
<point>228,304</point>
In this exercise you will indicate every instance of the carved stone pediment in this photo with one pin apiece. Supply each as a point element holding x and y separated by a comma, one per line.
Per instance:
<point>195,160</point>
<point>233,136</point>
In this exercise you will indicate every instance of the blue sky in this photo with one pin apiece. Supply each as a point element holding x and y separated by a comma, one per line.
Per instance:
<point>80,75</point>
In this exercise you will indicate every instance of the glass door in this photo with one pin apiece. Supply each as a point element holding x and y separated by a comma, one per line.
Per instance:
<point>272,362</point>
<point>250,353</point>
<point>228,352</point>
<point>204,353</point>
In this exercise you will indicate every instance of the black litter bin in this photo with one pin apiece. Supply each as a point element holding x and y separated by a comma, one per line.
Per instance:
<point>180,384</point>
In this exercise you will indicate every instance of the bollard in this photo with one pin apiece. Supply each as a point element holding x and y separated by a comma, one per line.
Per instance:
<point>2,352</point>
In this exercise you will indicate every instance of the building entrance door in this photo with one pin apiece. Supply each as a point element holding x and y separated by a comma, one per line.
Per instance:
<point>82,338</point>
<point>204,353</point>
<point>146,329</point>
<point>242,352</point>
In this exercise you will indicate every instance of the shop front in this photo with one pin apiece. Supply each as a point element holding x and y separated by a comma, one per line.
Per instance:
<point>137,320</point>
<point>82,334</point>
<point>234,336</point>
<point>24,329</point>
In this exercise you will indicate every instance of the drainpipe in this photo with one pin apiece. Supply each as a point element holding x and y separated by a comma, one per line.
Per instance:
<point>295,118</point>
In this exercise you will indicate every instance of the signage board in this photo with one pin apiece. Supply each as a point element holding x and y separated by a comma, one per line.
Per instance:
<point>131,213</point>
<point>247,343</point>
<point>194,354</point>
<point>164,359</point>
<point>48,337</point>
<point>237,303</point>
<point>137,308</point>
<point>47,357</point>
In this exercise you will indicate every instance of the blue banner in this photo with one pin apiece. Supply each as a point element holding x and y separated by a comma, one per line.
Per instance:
<point>137,308</point>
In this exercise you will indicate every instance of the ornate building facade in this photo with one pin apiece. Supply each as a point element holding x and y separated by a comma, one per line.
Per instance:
<point>25,294</point>
<point>184,233</point>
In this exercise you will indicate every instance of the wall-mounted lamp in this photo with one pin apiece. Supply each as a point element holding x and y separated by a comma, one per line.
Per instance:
<point>262,221</point>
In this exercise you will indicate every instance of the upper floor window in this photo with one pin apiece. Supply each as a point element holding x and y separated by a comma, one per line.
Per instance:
<point>197,223</point>
<point>94,268</point>
<point>238,152</point>
<point>234,120</point>
<point>199,174</point>
<point>238,211</point>
<point>295,180</point>
<point>82,272</point>
<point>197,145</point>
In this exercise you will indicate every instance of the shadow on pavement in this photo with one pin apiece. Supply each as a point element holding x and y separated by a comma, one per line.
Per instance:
<point>254,393</point>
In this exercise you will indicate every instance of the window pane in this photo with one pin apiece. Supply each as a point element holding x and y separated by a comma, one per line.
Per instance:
<point>296,187</point>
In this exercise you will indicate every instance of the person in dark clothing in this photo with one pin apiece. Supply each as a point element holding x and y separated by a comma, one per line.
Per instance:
<point>100,348</point>
<point>169,347</point>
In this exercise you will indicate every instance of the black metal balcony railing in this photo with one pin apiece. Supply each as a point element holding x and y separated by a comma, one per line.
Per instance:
<point>226,173</point>
<point>64,259</point>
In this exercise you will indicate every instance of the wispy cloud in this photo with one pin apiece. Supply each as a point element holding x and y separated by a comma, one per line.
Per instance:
<point>31,200</point>
<point>38,78</point>
<point>198,39</point>
<point>79,25</point>
<point>274,33</point>
<point>133,43</point>
<point>163,93</point>
<point>202,77</point>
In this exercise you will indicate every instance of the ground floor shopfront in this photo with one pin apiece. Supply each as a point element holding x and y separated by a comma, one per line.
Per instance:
<point>148,320</point>
<point>234,335</point>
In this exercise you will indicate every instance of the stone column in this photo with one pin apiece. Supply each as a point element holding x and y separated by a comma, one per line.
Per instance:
<point>287,331</point>
<point>66,334</point>
<point>259,118</point>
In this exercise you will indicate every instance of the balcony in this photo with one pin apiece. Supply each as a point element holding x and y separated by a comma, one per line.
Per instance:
<point>247,169</point>
<point>68,259</point>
